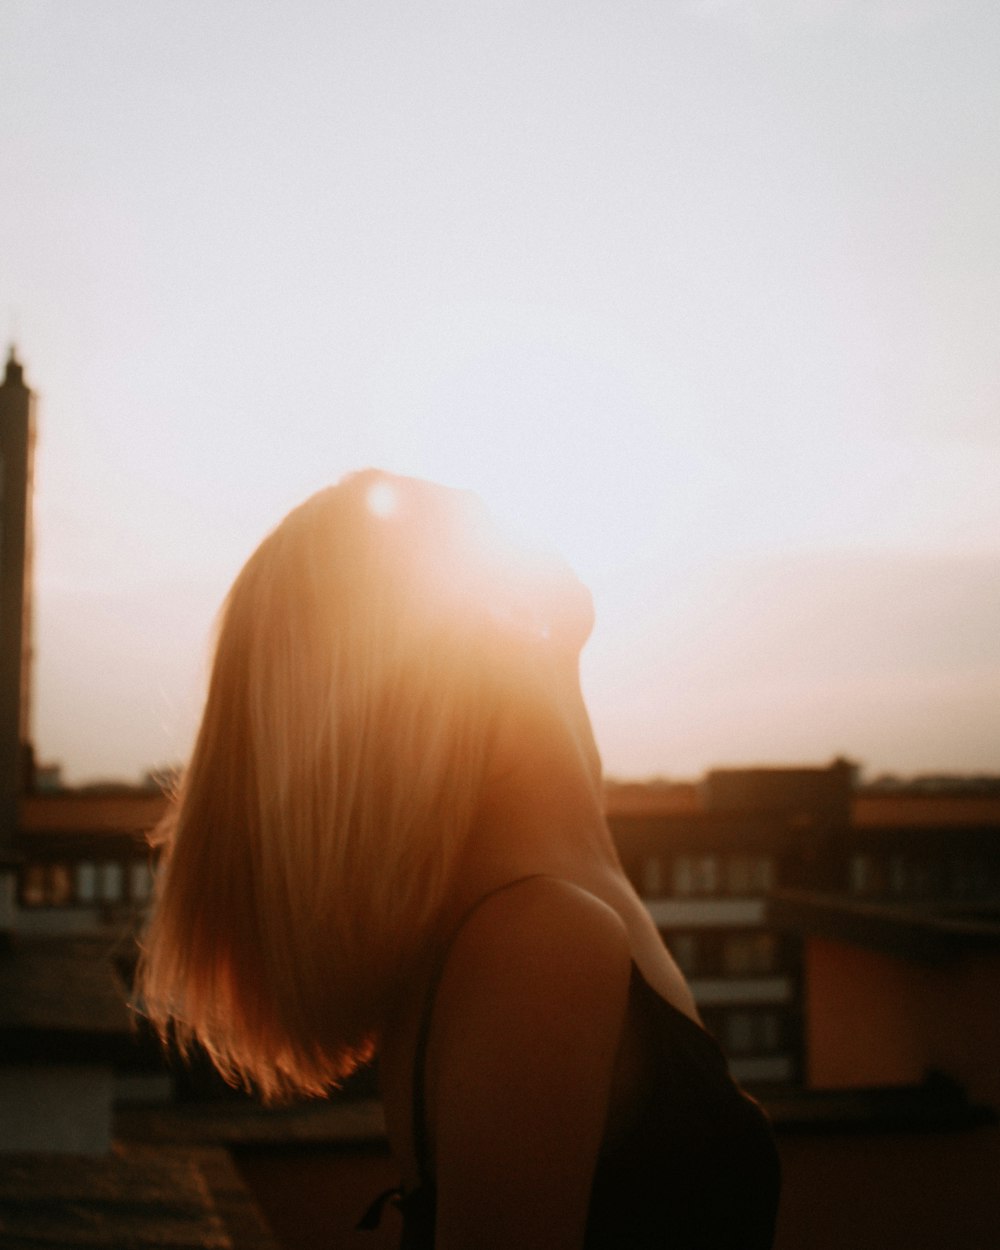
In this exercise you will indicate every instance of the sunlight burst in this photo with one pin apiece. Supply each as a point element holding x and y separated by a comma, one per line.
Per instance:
<point>382,499</point>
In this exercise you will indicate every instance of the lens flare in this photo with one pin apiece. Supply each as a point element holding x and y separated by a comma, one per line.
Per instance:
<point>382,499</point>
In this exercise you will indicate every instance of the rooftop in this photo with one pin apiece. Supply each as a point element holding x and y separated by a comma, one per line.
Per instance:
<point>179,1198</point>
<point>61,998</point>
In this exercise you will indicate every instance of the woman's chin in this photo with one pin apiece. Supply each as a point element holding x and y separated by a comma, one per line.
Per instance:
<point>570,613</point>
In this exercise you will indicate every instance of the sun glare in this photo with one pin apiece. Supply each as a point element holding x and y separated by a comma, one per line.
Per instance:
<point>382,499</point>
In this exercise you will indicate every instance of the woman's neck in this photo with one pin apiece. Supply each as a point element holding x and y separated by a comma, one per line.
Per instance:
<point>543,810</point>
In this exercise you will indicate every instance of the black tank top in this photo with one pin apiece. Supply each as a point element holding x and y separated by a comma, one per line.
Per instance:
<point>696,1170</point>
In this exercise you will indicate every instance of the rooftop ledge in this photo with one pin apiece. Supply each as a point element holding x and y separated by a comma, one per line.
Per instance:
<point>937,1105</point>
<point>923,931</point>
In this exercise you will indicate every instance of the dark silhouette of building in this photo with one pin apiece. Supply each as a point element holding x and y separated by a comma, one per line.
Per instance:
<point>17,437</point>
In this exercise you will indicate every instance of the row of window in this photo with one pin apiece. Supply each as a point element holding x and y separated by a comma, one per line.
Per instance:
<point>750,1031</point>
<point>84,883</point>
<point>870,875</point>
<point>694,876</point>
<point>915,876</point>
<point>751,952</point>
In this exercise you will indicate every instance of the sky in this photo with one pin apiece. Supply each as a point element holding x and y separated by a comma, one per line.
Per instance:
<point>705,293</point>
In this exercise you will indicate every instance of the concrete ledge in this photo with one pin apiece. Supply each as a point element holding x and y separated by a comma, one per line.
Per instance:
<point>136,1196</point>
<point>921,932</point>
<point>938,1105</point>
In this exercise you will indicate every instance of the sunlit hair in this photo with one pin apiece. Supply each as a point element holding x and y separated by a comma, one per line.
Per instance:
<point>360,658</point>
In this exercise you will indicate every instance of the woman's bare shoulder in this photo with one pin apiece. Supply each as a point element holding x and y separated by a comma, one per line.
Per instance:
<point>535,925</point>
<point>526,1027</point>
<point>531,962</point>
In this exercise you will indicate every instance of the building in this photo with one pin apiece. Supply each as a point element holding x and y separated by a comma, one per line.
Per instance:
<point>17,437</point>
<point>843,943</point>
<point>705,859</point>
<point>85,864</point>
<point>711,861</point>
<point>901,1031</point>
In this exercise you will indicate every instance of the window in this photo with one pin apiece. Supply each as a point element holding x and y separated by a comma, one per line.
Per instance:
<point>745,954</point>
<point>769,1030</point>
<point>867,875</point>
<point>748,1032</point>
<point>34,888</point>
<point>749,874</point>
<point>740,1032</point>
<point>86,882</point>
<point>685,949</point>
<point>651,885</point>
<point>696,875</point>
<point>738,875</point>
<point>763,874</point>
<point>60,891</point>
<point>683,876</point>
<point>47,885</point>
<point>110,882</point>
<point>140,880</point>
<point>706,875</point>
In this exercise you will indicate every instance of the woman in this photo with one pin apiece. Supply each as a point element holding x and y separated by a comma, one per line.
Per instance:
<point>391,837</point>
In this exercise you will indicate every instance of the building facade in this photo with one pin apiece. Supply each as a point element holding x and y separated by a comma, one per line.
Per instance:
<point>705,859</point>
<point>713,862</point>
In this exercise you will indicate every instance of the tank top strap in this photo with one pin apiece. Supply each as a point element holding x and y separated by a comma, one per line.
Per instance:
<point>421,1136</point>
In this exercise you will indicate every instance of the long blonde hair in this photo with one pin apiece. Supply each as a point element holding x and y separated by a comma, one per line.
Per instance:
<point>336,774</point>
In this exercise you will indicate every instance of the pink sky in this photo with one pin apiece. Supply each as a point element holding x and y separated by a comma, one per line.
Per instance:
<point>705,294</point>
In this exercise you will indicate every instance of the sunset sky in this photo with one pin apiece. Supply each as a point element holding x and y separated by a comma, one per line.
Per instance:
<point>705,293</point>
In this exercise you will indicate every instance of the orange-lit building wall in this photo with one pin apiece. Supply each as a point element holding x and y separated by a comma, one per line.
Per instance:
<point>879,1019</point>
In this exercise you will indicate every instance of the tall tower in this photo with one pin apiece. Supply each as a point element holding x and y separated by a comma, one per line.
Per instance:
<point>17,438</point>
